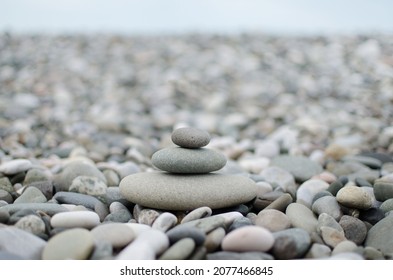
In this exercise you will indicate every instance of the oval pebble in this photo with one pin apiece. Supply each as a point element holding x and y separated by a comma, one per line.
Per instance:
<point>291,243</point>
<point>328,205</point>
<point>301,217</point>
<point>331,236</point>
<point>117,234</point>
<point>198,213</point>
<point>72,244</point>
<point>181,250</point>
<point>273,220</point>
<point>164,222</point>
<point>354,229</point>
<point>74,219</point>
<point>213,239</point>
<point>189,137</point>
<point>354,197</point>
<point>308,190</point>
<point>31,223</point>
<point>248,238</point>
<point>15,166</point>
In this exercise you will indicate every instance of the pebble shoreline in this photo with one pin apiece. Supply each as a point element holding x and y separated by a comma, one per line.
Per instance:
<point>307,119</point>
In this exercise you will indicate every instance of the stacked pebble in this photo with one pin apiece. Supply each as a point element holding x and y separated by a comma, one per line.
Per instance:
<point>188,181</point>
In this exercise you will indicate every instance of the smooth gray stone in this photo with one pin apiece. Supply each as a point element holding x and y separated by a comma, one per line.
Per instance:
<point>4,216</point>
<point>328,205</point>
<point>318,251</point>
<point>181,250</point>
<point>72,244</point>
<point>15,217</point>
<point>121,216</point>
<point>113,194</point>
<point>321,194</point>
<point>31,195</point>
<point>281,203</point>
<point>45,187</point>
<point>383,190</point>
<point>189,137</point>
<point>165,221</point>
<point>194,161</point>
<point>387,205</point>
<point>325,220</point>
<point>35,175</point>
<point>380,235</point>
<point>198,213</point>
<point>32,224</point>
<point>184,231</point>
<point>272,220</point>
<point>187,192</point>
<point>368,161</point>
<point>48,208</point>
<point>6,196</point>
<point>362,182</point>
<point>291,243</point>
<point>63,181</point>
<point>208,224</point>
<point>239,256</point>
<point>301,217</point>
<point>21,243</point>
<point>118,235</point>
<point>354,229</point>
<point>77,199</point>
<point>6,185</point>
<point>300,167</point>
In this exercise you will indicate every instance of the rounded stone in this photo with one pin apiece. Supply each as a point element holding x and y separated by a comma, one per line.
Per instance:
<point>181,160</point>
<point>354,197</point>
<point>164,221</point>
<point>331,236</point>
<point>199,213</point>
<point>248,238</point>
<point>291,243</point>
<point>88,185</point>
<point>188,137</point>
<point>273,220</point>
<point>387,205</point>
<point>73,244</point>
<point>187,192</point>
<point>73,219</point>
<point>116,234</point>
<point>31,195</point>
<point>300,167</point>
<point>301,217</point>
<point>15,166</point>
<point>328,205</point>
<point>184,231</point>
<point>308,190</point>
<point>63,181</point>
<point>214,238</point>
<point>31,223</point>
<point>383,190</point>
<point>354,229</point>
<point>6,196</point>
<point>380,235</point>
<point>181,250</point>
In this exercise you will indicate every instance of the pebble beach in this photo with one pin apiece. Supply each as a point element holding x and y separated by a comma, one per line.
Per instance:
<point>196,146</point>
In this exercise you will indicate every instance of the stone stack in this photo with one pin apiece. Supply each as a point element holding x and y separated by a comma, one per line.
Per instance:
<point>187,180</point>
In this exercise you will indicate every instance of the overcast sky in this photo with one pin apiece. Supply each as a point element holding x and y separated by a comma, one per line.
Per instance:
<point>157,16</point>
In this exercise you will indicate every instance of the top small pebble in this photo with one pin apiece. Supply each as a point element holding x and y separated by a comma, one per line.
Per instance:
<point>188,137</point>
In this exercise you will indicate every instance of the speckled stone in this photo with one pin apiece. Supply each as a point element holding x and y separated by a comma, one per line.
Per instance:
<point>354,229</point>
<point>88,185</point>
<point>174,192</point>
<point>182,160</point>
<point>31,223</point>
<point>72,244</point>
<point>189,137</point>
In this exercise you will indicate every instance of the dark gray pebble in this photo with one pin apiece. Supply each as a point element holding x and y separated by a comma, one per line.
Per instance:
<point>361,182</point>
<point>372,215</point>
<point>321,194</point>
<point>4,216</point>
<point>46,187</point>
<point>291,243</point>
<point>183,231</point>
<point>243,209</point>
<point>354,229</point>
<point>48,208</point>
<point>335,187</point>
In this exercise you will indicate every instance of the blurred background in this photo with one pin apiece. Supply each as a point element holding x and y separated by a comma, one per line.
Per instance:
<point>177,16</point>
<point>106,75</point>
